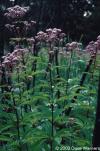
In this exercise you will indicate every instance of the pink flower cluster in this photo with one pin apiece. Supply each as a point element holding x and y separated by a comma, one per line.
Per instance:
<point>41,36</point>
<point>94,46</point>
<point>11,59</point>
<point>73,46</point>
<point>10,27</point>
<point>31,40</point>
<point>29,25</point>
<point>51,35</point>
<point>20,26</point>
<point>16,12</point>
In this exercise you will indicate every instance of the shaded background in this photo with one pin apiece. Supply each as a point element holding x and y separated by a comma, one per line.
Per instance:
<point>79,19</point>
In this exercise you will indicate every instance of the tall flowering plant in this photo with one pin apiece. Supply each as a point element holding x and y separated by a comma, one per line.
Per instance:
<point>47,94</point>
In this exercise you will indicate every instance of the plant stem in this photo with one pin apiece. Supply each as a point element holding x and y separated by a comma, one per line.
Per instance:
<point>68,73</point>
<point>35,53</point>
<point>51,59</point>
<point>52,110</point>
<point>96,133</point>
<point>18,122</point>
<point>69,69</point>
<point>57,70</point>
<point>84,75</point>
<point>20,97</point>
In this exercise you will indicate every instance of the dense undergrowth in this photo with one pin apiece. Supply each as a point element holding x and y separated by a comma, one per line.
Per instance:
<point>48,91</point>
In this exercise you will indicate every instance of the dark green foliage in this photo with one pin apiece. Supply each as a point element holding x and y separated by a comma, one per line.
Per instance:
<point>48,96</point>
<point>34,119</point>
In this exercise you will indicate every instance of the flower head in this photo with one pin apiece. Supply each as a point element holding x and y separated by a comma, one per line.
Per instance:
<point>16,12</point>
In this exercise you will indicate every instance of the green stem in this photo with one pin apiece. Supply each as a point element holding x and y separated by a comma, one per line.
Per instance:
<point>34,64</point>
<point>52,110</point>
<point>18,122</point>
<point>20,97</point>
<point>69,70</point>
<point>84,75</point>
<point>57,70</point>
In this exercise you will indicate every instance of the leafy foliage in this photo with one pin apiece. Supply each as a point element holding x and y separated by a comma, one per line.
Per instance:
<point>48,91</point>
